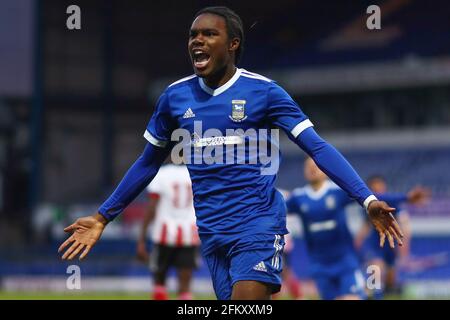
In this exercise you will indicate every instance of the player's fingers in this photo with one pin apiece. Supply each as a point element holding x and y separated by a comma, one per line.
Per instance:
<point>85,252</point>
<point>76,251</point>
<point>70,250</point>
<point>70,228</point>
<point>396,226</point>
<point>390,239</point>
<point>68,241</point>
<point>389,209</point>
<point>397,237</point>
<point>382,238</point>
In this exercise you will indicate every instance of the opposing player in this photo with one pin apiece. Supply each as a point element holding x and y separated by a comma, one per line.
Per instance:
<point>240,216</point>
<point>366,241</point>
<point>174,232</point>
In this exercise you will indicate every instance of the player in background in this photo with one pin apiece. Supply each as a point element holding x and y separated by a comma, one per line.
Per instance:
<point>174,232</point>
<point>366,241</point>
<point>321,207</point>
<point>241,217</point>
<point>334,264</point>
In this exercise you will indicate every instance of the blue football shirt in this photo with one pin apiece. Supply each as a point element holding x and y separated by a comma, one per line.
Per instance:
<point>233,185</point>
<point>328,239</point>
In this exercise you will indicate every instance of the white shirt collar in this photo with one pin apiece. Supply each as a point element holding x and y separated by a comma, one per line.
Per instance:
<point>317,194</point>
<point>222,88</point>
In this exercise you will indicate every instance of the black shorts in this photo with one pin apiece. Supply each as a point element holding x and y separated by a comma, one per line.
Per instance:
<point>163,257</point>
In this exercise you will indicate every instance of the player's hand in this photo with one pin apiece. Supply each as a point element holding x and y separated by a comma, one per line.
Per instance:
<point>419,195</point>
<point>142,253</point>
<point>381,216</point>
<point>86,232</point>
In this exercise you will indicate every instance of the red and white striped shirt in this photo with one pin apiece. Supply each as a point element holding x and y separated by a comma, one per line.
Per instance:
<point>175,223</point>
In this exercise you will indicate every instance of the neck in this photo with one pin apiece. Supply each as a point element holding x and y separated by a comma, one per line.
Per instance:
<point>221,77</point>
<point>316,185</point>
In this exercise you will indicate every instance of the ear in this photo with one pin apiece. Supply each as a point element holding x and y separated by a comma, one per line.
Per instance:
<point>234,44</point>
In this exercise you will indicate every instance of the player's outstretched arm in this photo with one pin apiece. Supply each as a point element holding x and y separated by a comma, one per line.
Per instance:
<point>87,230</point>
<point>335,166</point>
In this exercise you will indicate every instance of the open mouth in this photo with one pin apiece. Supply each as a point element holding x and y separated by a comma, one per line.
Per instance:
<point>200,59</point>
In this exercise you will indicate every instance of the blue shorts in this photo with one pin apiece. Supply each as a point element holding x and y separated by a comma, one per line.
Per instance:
<point>350,282</point>
<point>372,250</point>
<point>253,257</point>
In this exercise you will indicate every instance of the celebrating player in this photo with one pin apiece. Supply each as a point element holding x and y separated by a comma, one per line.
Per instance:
<point>174,233</point>
<point>241,218</point>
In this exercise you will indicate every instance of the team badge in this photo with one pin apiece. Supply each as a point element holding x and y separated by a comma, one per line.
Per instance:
<point>238,110</point>
<point>330,202</point>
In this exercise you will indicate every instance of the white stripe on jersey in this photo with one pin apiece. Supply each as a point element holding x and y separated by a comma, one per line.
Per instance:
<point>182,80</point>
<point>302,126</point>
<point>368,200</point>
<point>254,75</point>
<point>276,257</point>
<point>153,140</point>
<point>322,226</point>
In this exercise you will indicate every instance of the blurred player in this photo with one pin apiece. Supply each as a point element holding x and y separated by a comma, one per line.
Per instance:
<point>240,216</point>
<point>334,262</point>
<point>174,234</point>
<point>367,241</point>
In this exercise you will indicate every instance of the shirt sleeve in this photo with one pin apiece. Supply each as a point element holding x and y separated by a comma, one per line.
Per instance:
<point>393,199</point>
<point>161,124</point>
<point>335,166</point>
<point>285,113</point>
<point>344,197</point>
<point>135,180</point>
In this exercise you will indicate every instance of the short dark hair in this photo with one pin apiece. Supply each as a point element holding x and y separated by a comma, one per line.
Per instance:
<point>233,23</point>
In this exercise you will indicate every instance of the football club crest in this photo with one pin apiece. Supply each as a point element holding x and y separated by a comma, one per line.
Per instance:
<point>330,202</point>
<point>238,110</point>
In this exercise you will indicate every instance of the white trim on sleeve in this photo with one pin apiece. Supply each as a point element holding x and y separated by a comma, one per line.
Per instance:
<point>153,140</point>
<point>305,124</point>
<point>368,200</point>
